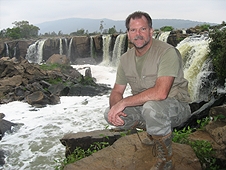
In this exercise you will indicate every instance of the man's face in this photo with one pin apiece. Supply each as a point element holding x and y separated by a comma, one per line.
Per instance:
<point>139,32</point>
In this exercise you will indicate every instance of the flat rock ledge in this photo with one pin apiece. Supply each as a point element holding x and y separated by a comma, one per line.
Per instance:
<point>127,153</point>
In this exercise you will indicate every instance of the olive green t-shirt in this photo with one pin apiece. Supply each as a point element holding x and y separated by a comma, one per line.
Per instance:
<point>142,72</point>
<point>169,66</point>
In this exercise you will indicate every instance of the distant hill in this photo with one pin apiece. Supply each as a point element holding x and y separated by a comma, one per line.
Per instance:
<point>70,25</point>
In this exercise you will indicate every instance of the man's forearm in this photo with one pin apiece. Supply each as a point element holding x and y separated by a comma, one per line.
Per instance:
<point>115,98</point>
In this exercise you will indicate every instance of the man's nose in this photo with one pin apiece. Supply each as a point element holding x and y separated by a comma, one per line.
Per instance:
<point>138,32</point>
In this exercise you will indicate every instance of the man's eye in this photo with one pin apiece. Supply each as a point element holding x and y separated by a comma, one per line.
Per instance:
<point>143,29</point>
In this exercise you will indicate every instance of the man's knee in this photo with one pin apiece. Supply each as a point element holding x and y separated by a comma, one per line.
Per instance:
<point>106,114</point>
<point>151,108</point>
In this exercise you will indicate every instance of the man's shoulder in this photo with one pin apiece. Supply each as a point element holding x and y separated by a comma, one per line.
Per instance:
<point>159,43</point>
<point>128,53</point>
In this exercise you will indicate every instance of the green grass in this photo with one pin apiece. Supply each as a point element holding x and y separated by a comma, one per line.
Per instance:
<point>79,154</point>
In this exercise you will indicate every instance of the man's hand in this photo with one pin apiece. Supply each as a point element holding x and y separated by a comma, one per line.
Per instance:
<point>114,115</point>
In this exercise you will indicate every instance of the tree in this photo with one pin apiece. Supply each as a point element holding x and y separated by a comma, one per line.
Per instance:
<point>60,33</point>
<point>78,32</point>
<point>26,30</point>
<point>14,33</point>
<point>112,30</point>
<point>53,34</point>
<point>22,29</point>
<point>101,26</point>
<point>217,52</point>
<point>203,27</point>
<point>3,33</point>
<point>166,28</point>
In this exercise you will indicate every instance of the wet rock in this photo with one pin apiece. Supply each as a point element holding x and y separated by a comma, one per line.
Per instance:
<point>128,153</point>
<point>59,59</point>
<point>24,81</point>
<point>7,126</point>
<point>2,157</point>
<point>39,98</point>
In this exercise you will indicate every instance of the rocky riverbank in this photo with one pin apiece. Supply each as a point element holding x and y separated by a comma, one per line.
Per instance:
<point>128,153</point>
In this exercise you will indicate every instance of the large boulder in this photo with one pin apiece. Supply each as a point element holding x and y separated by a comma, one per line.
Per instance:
<point>59,59</point>
<point>128,153</point>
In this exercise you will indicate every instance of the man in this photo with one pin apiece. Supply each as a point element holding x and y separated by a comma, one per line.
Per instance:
<point>159,99</point>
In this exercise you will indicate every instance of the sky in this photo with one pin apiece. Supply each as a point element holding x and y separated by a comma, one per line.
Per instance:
<point>39,11</point>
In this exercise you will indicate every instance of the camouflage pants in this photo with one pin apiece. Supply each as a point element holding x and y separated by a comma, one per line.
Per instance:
<point>159,116</point>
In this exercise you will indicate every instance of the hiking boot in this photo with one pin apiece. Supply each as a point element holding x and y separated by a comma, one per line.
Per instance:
<point>148,140</point>
<point>164,152</point>
<point>139,125</point>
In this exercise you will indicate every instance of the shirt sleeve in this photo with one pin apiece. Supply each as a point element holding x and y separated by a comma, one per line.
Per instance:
<point>120,76</point>
<point>169,64</point>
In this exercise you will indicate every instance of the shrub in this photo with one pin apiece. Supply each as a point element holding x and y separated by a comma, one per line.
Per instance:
<point>218,53</point>
<point>166,28</point>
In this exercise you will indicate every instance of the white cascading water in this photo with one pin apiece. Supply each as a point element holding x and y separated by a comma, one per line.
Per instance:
<point>91,47</point>
<point>7,49</point>
<point>118,49</point>
<point>106,50</point>
<point>69,48</point>
<point>164,36</point>
<point>66,46</point>
<point>61,47</point>
<point>35,51</point>
<point>14,52</point>
<point>194,51</point>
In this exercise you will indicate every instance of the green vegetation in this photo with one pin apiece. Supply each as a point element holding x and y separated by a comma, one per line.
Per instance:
<point>55,80</point>
<point>166,28</point>
<point>86,80</point>
<point>203,149</point>
<point>80,32</point>
<point>55,66</point>
<point>218,53</point>
<point>112,30</point>
<point>80,153</point>
<point>204,27</point>
<point>21,29</point>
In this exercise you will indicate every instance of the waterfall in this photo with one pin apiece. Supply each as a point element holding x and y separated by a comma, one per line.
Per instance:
<point>61,47</point>
<point>106,49</point>
<point>91,47</point>
<point>35,51</point>
<point>14,52</point>
<point>164,36</point>
<point>7,50</point>
<point>194,51</point>
<point>69,48</point>
<point>66,46</point>
<point>206,82</point>
<point>119,48</point>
